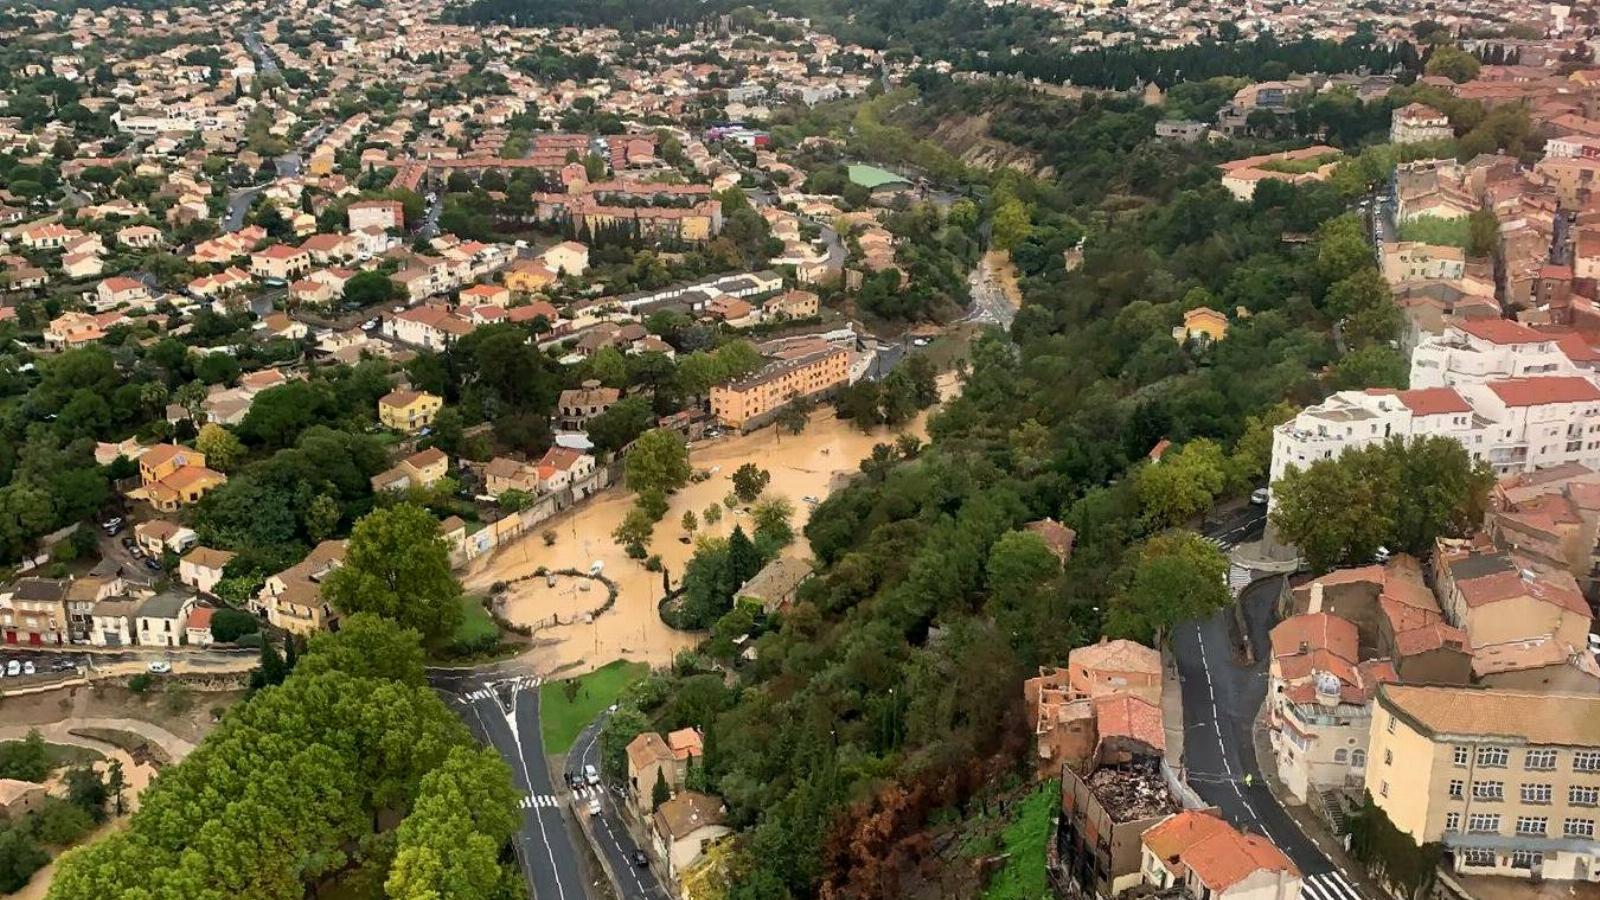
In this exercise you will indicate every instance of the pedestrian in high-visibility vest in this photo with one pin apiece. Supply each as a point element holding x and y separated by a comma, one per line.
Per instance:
<point>1248,778</point>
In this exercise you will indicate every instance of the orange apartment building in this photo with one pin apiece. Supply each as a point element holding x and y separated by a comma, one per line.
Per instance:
<point>806,371</point>
<point>172,476</point>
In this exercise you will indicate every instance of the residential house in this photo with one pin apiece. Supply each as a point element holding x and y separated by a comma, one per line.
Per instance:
<point>1496,597</point>
<point>34,611</point>
<point>561,468</point>
<point>292,599</point>
<point>157,536</point>
<point>421,469</point>
<point>160,620</point>
<point>120,291</point>
<point>197,632</point>
<point>112,622</point>
<point>652,758</point>
<point>382,214</point>
<point>1211,860</point>
<point>202,567</point>
<point>791,305</point>
<point>684,826</point>
<point>1202,324</point>
<point>777,584</point>
<point>172,476</point>
<point>1056,536</point>
<point>567,258</point>
<point>1507,781</point>
<point>1417,123</point>
<point>408,411</point>
<point>19,799</point>
<point>504,474</point>
<point>280,263</point>
<point>577,406</point>
<point>430,327</point>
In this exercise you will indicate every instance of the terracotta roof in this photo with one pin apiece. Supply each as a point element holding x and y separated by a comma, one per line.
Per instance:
<point>1545,389</point>
<point>1501,331</point>
<point>1124,715</point>
<point>1117,656</point>
<point>1428,401</point>
<point>1219,856</point>
<point>687,813</point>
<point>1315,631</point>
<point>1539,718</point>
<point>647,748</point>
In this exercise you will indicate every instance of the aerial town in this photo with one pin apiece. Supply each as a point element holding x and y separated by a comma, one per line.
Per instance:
<point>504,449</point>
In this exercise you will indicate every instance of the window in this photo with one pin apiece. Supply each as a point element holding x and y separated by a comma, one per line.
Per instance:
<point>1526,859</point>
<point>1532,825</point>
<point>1488,790</point>
<point>1358,758</point>
<point>1388,757</point>
<point>1578,828</point>
<point>1586,761</point>
<point>1452,821</point>
<point>1483,822</point>
<point>1341,755</point>
<point>1579,795</point>
<point>1457,788</point>
<point>1477,858</point>
<point>1461,756</point>
<point>1539,760</point>
<point>1536,793</point>
<point>1495,757</point>
<point>1383,789</point>
<point>1390,727</point>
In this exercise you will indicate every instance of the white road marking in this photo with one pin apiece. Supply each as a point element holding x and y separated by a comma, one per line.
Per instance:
<point>511,720</point>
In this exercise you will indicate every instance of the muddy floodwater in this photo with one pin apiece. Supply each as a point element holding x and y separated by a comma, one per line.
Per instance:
<point>810,464</point>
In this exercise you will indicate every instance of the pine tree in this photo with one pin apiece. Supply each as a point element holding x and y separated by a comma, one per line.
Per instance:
<point>661,793</point>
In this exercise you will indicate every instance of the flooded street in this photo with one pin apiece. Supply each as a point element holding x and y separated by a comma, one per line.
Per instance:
<point>810,464</point>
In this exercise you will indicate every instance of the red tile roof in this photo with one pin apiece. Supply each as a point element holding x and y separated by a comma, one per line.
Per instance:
<point>1538,391</point>
<point>1501,331</point>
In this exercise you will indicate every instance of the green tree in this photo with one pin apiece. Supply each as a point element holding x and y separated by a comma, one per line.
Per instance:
<point>367,646</point>
<point>660,792</point>
<point>658,459</point>
<point>369,289</point>
<point>634,531</point>
<point>1176,576</point>
<point>450,844</point>
<point>228,624</point>
<point>772,529</point>
<point>1453,63</point>
<point>221,448</point>
<point>398,567</point>
<point>1182,485</point>
<point>749,480</point>
<point>25,760</point>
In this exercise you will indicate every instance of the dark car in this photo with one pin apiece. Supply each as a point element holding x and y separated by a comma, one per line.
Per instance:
<point>152,565</point>
<point>639,859</point>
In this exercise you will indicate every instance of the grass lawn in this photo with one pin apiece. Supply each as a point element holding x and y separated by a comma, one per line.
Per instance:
<point>476,625</point>
<point>62,755</point>
<point>1024,839</point>
<point>560,721</point>
<point>1434,230</point>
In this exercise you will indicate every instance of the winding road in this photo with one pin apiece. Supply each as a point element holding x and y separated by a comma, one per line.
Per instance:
<point>1221,697</point>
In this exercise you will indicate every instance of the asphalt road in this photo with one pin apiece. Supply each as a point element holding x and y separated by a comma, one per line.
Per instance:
<point>612,837</point>
<point>505,715</point>
<point>1220,700</point>
<point>989,303</point>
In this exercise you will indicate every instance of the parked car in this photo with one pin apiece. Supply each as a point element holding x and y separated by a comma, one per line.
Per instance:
<point>152,565</point>
<point>591,776</point>
<point>159,667</point>
<point>28,668</point>
<point>14,667</point>
<point>1260,496</point>
<point>127,542</point>
<point>112,525</point>
<point>594,807</point>
<point>640,859</point>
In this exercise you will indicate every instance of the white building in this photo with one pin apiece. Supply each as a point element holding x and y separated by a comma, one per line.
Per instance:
<point>1417,123</point>
<point>1479,350</point>
<point>1516,424</point>
<point>1415,261</point>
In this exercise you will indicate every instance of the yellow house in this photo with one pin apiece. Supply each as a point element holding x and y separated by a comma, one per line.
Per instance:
<point>529,276</point>
<point>1201,323</point>
<point>321,162</point>
<point>173,476</point>
<point>408,410</point>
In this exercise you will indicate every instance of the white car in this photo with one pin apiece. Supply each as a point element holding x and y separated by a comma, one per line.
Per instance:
<point>14,668</point>
<point>591,776</point>
<point>1260,496</point>
<point>27,668</point>
<point>594,807</point>
<point>159,667</point>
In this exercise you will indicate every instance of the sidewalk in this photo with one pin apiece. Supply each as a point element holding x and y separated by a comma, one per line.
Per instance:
<point>1264,557</point>
<point>1172,709</point>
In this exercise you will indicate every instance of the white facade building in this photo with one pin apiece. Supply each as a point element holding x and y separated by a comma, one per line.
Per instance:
<point>1479,350</point>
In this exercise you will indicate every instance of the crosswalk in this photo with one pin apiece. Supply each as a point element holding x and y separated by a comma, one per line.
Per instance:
<point>1238,578</point>
<point>1328,886</point>
<point>521,682</point>
<point>546,801</point>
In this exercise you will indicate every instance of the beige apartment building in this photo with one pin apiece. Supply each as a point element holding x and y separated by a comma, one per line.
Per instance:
<point>1508,781</point>
<point>751,401</point>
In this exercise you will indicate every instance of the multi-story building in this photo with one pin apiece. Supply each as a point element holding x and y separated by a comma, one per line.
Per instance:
<point>1417,123</point>
<point>1514,424</point>
<point>1508,781</point>
<point>1321,702</point>
<point>408,411</point>
<point>1415,261</point>
<point>172,476</point>
<point>1475,351</point>
<point>1105,811</point>
<point>292,599</point>
<point>801,372</point>
<point>578,405</point>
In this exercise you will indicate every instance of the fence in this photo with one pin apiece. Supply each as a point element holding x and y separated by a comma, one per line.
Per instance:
<point>503,531</point>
